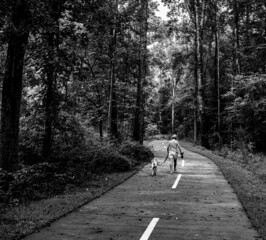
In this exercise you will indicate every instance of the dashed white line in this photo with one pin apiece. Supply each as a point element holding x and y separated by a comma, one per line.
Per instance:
<point>183,163</point>
<point>149,229</point>
<point>177,181</point>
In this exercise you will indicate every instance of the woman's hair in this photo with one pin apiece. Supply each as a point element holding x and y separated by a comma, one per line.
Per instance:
<point>174,137</point>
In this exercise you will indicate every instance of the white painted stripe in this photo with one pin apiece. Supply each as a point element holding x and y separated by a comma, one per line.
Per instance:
<point>149,229</point>
<point>183,163</point>
<point>177,181</point>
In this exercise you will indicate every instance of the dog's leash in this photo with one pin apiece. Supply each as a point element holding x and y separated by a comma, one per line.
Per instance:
<point>182,156</point>
<point>164,160</point>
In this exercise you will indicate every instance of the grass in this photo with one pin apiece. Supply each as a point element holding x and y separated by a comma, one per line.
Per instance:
<point>249,186</point>
<point>19,221</point>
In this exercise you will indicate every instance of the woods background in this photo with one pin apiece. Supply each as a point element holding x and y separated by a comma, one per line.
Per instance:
<point>78,74</point>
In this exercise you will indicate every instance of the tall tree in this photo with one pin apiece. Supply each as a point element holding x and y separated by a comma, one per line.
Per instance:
<point>138,128</point>
<point>112,112</point>
<point>236,40</point>
<point>197,13</point>
<point>217,70</point>
<point>18,33</point>
<point>51,38</point>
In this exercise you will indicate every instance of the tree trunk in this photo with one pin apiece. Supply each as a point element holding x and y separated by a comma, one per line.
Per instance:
<point>52,39</point>
<point>198,80</point>
<point>173,107</point>
<point>12,85</point>
<point>138,129</point>
<point>199,15</point>
<point>236,63</point>
<point>49,99</point>
<point>137,126</point>
<point>217,73</point>
<point>112,112</point>
<point>237,68</point>
<point>195,126</point>
<point>101,129</point>
<point>196,74</point>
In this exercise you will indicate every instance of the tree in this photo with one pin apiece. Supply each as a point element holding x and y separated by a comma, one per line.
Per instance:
<point>18,33</point>
<point>112,112</point>
<point>51,39</point>
<point>217,70</point>
<point>138,130</point>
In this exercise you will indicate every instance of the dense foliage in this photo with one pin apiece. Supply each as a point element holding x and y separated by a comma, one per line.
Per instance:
<point>93,74</point>
<point>84,77</point>
<point>44,180</point>
<point>209,65</point>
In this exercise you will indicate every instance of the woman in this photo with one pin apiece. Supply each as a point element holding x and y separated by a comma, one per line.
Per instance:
<point>172,149</point>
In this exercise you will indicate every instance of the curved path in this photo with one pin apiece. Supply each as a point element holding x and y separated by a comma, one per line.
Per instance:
<point>194,203</point>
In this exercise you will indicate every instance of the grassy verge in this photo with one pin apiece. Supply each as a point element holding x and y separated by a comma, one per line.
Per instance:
<point>22,220</point>
<point>249,187</point>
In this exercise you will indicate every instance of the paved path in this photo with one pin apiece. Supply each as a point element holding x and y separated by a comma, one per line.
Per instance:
<point>195,203</point>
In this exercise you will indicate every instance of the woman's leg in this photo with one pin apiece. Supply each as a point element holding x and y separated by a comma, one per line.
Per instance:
<point>171,163</point>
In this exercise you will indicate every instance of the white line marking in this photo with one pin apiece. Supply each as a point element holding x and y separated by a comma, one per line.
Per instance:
<point>183,163</point>
<point>177,181</point>
<point>149,229</point>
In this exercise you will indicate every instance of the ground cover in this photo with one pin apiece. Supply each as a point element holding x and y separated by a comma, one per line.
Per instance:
<point>37,195</point>
<point>23,219</point>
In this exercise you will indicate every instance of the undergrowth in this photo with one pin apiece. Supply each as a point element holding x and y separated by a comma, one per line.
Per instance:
<point>71,168</point>
<point>255,163</point>
<point>36,195</point>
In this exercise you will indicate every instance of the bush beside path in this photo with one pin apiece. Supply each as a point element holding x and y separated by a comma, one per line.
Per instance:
<point>40,194</point>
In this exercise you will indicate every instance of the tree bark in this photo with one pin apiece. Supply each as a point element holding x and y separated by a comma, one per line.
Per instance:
<point>51,62</point>
<point>12,85</point>
<point>49,99</point>
<point>217,73</point>
<point>199,17</point>
<point>138,128</point>
<point>236,42</point>
<point>195,126</point>
<point>173,105</point>
<point>112,112</point>
<point>198,80</point>
<point>236,55</point>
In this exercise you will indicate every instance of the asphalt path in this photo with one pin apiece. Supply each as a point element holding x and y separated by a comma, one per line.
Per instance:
<point>194,203</point>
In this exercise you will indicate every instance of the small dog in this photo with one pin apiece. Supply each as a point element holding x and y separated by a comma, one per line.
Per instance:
<point>154,164</point>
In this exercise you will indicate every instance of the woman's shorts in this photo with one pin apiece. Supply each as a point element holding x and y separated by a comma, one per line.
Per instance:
<point>172,155</point>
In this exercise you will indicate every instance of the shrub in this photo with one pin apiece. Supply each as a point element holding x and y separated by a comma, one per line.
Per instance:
<point>5,179</point>
<point>33,183</point>
<point>73,167</point>
<point>151,130</point>
<point>107,160</point>
<point>256,163</point>
<point>134,150</point>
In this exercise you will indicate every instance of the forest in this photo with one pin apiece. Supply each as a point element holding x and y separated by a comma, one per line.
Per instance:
<point>84,83</point>
<point>79,72</point>
<point>211,67</point>
<point>77,76</point>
